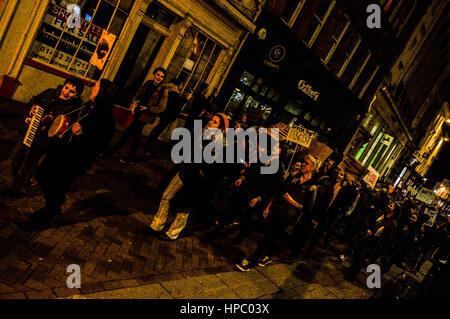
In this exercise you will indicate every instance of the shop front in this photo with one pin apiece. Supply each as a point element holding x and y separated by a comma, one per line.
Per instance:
<point>45,42</point>
<point>277,79</point>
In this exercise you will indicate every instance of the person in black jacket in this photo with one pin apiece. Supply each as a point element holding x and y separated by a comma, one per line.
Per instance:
<point>377,241</point>
<point>61,100</point>
<point>200,106</point>
<point>174,104</point>
<point>189,186</point>
<point>74,155</point>
<point>150,100</point>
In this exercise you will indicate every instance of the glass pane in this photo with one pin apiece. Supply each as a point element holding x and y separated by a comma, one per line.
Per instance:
<point>246,78</point>
<point>160,14</point>
<point>117,23</point>
<point>234,101</point>
<point>312,28</point>
<point>103,15</point>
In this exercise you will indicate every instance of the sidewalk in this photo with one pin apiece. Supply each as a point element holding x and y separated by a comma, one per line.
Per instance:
<point>279,281</point>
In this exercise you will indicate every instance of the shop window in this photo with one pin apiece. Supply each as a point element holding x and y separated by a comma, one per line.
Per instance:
<point>294,107</point>
<point>374,128</point>
<point>320,17</point>
<point>276,96</point>
<point>160,14</point>
<point>271,93</point>
<point>70,49</point>
<point>361,151</point>
<point>235,100</point>
<point>265,91</point>
<point>194,59</point>
<point>315,122</point>
<point>336,37</point>
<point>359,70</point>
<point>246,78</point>
<point>257,85</point>
<point>307,116</point>
<point>361,94</point>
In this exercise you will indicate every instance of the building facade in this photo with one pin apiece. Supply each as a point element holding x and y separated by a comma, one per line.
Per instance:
<point>405,103</point>
<point>317,64</point>
<point>193,39</point>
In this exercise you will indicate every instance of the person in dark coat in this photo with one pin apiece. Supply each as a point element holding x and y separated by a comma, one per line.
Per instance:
<point>194,181</point>
<point>377,240</point>
<point>75,154</point>
<point>174,104</point>
<point>150,100</point>
<point>61,100</point>
<point>200,106</point>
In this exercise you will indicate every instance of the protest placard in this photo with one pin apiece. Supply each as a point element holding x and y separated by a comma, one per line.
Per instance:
<point>300,135</point>
<point>372,177</point>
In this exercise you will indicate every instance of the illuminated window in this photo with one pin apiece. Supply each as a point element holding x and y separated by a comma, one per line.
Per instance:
<point>70,49</point>
<point>194,59</point>
<point>321,16</point>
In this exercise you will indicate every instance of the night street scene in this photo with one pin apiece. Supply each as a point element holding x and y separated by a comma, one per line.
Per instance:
<point>240,152</point>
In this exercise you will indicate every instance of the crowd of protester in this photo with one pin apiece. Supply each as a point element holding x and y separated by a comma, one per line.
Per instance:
<point>304,206</point>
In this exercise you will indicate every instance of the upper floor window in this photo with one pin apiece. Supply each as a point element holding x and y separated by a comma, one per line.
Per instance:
<point>336,36</point>
<point>361,94</point>
<point>343,61</point>
<point>320,17</point>
<point>359,70</point>
<point>291,11</point>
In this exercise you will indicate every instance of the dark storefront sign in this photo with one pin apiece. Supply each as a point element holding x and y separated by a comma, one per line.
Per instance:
<point>284,79</point>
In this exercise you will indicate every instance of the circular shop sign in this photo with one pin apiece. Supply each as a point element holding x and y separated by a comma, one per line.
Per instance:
<point>277,53</point>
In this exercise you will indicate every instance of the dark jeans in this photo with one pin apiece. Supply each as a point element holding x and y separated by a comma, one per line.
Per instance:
<point>134,131</point>
<point>24,160</point>
<point>274,230</point>
<point>301,232</point>
<point>54,186</point>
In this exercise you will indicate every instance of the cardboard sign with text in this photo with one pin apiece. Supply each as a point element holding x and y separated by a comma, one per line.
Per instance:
<point>372,177</point>
<point>300,135</point>
<point>319,150</point>
<point>353,168</point>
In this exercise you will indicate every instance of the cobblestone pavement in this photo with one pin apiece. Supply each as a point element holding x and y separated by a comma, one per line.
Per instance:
<point>100,229</point>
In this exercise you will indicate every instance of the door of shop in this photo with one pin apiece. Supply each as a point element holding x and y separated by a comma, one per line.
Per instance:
<point>137,62</point>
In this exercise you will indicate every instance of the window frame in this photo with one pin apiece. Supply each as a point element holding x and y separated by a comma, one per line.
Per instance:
<point>319,28</point>
<point>336,41</point>
<point>78,47</point>
<point>360,70</point>
<point>349,57</point>
<point>295,14</point>
<point>217,46</point>
<point>361,94</point>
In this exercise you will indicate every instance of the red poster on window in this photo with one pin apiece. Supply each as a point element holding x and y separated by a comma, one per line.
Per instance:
<point>103,49</point>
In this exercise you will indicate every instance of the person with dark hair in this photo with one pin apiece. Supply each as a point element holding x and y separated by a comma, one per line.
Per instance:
<point>75,153</point>
<point>377,241</point>
<point>150,100</point>
<point>173,108</point>
<point>200,106</point>
<point>54,102</point>
<point>189,185</point>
